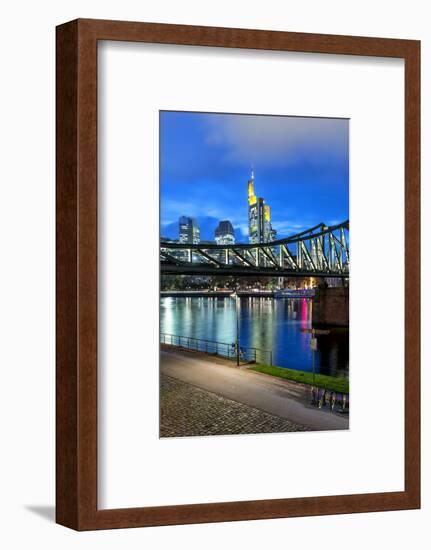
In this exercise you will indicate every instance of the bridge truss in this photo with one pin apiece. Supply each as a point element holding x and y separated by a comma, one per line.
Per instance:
<point>321,251</point>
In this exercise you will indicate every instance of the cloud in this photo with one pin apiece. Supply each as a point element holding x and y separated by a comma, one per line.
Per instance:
<point>241,232</point>
<point>198,206</point>
<point>290,227</point>
<point>172,209</point>
<point>278,140</point>
<point>301,169</point>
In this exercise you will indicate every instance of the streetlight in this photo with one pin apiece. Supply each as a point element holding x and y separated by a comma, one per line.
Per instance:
<point>313,342</point>
<point>313,347</point>
<point>235,295</point>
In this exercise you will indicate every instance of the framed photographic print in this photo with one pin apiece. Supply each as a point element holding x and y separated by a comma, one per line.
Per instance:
<point>238,280</point>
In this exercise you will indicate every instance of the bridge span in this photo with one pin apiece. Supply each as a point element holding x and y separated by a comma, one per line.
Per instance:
<point>321,251</point>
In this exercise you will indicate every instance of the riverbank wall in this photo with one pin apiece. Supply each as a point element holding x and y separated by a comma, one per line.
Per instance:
<point>303,293</point>
<point>331,307</point>
<point>215,294</point>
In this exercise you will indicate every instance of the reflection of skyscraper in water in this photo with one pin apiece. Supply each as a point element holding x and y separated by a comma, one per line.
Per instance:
<point>189,231</point>
<point>259,217</point>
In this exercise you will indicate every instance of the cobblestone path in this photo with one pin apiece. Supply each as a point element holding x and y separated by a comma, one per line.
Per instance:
<point>186,410</point>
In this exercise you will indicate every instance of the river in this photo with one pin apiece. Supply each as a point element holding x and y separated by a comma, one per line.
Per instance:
<point>275,324</point>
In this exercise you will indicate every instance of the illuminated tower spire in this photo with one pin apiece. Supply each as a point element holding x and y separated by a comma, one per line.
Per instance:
<point>251,195</point>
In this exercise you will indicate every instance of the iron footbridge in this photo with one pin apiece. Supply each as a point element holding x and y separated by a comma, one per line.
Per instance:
<point>321,251</point>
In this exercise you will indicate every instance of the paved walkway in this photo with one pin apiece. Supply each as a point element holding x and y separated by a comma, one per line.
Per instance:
<point>275,396</point>
<point>186,410</point>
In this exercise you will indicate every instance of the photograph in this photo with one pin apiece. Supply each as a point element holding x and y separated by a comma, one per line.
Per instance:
<point>254,274</point>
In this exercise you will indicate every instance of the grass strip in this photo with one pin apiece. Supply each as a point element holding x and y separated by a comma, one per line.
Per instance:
<point>340,385</point>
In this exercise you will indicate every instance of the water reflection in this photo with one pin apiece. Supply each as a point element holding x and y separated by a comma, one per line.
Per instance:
<point>265,323</point>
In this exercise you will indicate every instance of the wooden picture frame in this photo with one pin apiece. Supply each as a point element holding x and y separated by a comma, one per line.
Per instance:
<point>76,374</point>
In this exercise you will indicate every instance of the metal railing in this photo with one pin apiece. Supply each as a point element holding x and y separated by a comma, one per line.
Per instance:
<point>223,349</point>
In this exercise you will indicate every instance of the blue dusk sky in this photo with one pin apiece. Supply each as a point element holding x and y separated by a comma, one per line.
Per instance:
<point>301,169</point>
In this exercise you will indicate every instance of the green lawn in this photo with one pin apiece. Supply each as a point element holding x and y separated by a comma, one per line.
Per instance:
<point>340,385</point>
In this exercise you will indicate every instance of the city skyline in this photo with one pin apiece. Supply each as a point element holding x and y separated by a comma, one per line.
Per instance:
<point>259,223</point>
<point>206,161</point>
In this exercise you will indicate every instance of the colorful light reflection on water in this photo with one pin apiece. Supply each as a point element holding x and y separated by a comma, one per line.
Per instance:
<point>265,323</point>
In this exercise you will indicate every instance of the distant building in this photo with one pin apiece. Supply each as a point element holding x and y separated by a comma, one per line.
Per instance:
<point>259,217</point>
<point>189,231</point>
<point>224,233</point>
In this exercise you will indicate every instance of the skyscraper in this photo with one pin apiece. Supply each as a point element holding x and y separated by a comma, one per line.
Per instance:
<point>259,217</point>
<point>224,233</point>
<point>189,231</point>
